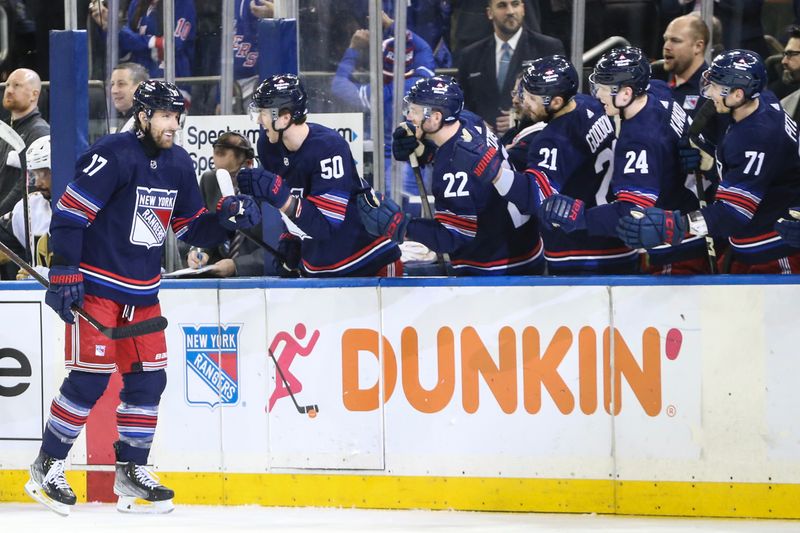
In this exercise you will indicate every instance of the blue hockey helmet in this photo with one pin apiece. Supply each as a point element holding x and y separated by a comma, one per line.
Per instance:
<point>737,69</point>
<point>152,95</point>
<point>551,76</point>
<point>281,91</point>
<point>623,67</point>
<point>439,93</point>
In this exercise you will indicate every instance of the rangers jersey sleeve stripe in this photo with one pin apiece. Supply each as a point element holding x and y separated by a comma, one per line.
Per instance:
<point>641,199</point>
<point>78,205</point>
<point>546,188</point>
<point>465,224</point>
<point>180,225</point>
<point>740,200</point>
<point>331,205</point>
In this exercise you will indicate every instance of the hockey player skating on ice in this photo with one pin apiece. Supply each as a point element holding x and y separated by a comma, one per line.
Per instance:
<point>308,173</point>
<point>760,169</point>
<point>483,233</point>
<point>106,232</point>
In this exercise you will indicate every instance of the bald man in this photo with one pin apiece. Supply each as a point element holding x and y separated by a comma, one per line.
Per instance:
<point>685,41</point>
<point>21,98</point>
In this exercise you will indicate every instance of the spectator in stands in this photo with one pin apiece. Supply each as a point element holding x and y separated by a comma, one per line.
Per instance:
<point>488,68</point>
<point>429,19</point>
<point>125,78</point>
<point>21,98</point>
<point>141,39</point>
<point>418,64</point>
<point>237,256</point>
<point>245,43</point>
<point>790,79</point>
<point>685,41</point>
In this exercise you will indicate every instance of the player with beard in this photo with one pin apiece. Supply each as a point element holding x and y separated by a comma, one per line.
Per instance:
<point>107,231</point>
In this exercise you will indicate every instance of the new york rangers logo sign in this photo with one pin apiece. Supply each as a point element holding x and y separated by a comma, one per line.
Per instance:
<point>151,216</point>
<point>212,364</point>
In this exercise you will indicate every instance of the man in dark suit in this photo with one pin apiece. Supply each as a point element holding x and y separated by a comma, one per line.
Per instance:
<point>487,69</point>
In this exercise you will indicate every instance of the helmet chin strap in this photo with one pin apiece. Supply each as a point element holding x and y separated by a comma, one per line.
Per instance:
<point>731,107</point>
<point>623,107</point>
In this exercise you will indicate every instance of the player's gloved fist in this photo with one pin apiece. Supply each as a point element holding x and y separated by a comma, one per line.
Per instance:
<point>66,290</point>
<point>789,229</point>
<point>238,212</point>
<point>263,185</point>
<point>652,227</point>
<point>404,142</point>
<point>382,216</point>
<point>289,248</point>
<point>688,155</point>
<point>562,211</point>
<point>483,161</point>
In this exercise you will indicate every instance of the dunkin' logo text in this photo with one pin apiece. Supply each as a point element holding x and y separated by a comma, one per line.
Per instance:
<point>539,366</point>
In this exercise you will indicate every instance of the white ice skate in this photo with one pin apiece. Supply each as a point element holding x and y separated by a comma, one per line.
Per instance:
<point>48,485</point>
<point>139,491</point>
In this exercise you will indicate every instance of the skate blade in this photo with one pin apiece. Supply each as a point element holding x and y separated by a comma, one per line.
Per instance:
<point>37,493</point>
<point>132,504</point>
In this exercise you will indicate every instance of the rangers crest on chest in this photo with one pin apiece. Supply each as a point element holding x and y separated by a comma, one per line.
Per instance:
<point>151,216</point>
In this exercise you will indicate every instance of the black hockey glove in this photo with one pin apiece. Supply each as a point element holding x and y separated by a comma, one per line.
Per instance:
<point>238,212</point>
<point>289,248</point>
<point>66,290</point>
<point>382,216</point>
<point>688,155</point>
<point>405,143</point>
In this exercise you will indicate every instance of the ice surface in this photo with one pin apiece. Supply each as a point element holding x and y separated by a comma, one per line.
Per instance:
<point>101,518</point>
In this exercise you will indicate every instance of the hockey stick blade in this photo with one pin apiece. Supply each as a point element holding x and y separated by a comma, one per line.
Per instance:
<point>151,325</point>
<point>13,138</point>
<point>145,327</point>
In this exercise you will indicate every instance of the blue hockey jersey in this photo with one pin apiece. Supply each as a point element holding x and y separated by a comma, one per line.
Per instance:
<point>323,175</point>
<point>483,233</point>
<point>574,155</point>
<point>245,41</point>
<point>760,168</point>
<point>113,217</point>
<point>647,173</point>
<point>135,42</point>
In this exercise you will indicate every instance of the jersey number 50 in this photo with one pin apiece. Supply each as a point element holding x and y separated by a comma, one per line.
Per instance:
<point>332,167</point>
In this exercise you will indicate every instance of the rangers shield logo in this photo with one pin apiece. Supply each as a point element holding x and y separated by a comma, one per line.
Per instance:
<point>151,216</point>
<point>212,364</point>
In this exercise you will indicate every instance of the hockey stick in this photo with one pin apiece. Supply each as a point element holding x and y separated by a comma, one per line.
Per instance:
<point>16,142</point>
<point>427,212</point>
<point>151,325</point>
<point>698,125</point>
<point>310,410</point>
